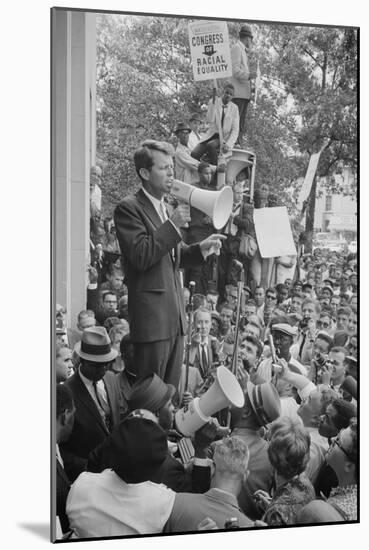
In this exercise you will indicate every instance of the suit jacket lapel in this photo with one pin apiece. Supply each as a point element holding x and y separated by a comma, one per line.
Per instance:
<point>148,208</point>
<point>86,399</point>
<point>111,395</point>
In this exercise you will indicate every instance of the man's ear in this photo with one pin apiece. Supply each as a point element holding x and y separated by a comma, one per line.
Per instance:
<point>144,173</point>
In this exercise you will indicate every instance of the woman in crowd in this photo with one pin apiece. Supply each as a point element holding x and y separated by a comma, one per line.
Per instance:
<point>288,453</point>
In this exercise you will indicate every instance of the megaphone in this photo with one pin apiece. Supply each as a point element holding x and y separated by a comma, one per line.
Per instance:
<point>224,391</point>
<point>216,204</point>
<point>239,160</point>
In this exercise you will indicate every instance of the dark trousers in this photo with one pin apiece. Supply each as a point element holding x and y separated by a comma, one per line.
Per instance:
<point>164,357</point>
<point>242,105</point>
<point>210,147</point>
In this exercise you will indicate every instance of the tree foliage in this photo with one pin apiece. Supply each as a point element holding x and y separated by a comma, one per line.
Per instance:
<point>145,86</point>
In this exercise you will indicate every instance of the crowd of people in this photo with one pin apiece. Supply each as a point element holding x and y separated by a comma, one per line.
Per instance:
<point>286,327</point>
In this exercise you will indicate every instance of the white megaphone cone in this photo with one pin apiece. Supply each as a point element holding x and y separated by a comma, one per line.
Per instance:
<point>215,204</point>
<point>224,391</point>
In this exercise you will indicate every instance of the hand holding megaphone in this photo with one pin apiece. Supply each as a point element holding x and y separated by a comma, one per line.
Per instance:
<point>181,215</point>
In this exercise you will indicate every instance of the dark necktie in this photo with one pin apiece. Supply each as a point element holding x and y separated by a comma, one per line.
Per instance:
<point>103,406</point>
<point>204,359</point>
<point>223,113</point>
<point>302,344</point>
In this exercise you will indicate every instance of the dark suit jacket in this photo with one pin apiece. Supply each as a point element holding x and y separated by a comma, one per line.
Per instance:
<point>155,304</point>
<point>89,429</point>
<point>194,356</point>
<point>62,490</point>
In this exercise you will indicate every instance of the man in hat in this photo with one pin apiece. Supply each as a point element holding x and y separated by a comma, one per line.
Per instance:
<point>123,499</point>
<point>154,395</point>
<point>242,76</point>
<point>97,398</point>
<point>231,457</point>
<point>262,406</point>
<point>151,243</point>
<point>222,113</point>
<point>194,124</point>
<point>186,166</point>
<point>283,337</point>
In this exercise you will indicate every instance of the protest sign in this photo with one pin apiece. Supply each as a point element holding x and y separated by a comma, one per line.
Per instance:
<point>273,232</point>
<point>210,53</point>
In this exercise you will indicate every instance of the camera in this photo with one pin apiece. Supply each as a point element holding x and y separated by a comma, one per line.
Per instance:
<point>304,323</point>
<point>320,360</point>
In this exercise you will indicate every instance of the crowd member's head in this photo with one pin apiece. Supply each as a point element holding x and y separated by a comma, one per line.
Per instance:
<point>259,296</point>
<point>226,314</point>
<point>195,122</point>
<point>252,327</point>
<point>123,307</point>
<point>352,346</point>
<point>343,316</point>
<point>352,323</point>
<point>250,309</point>
<point>65,411</point>
<point>153,394</point>
<point>342,455</point>
<point>95,353</point>
<point>202,322</point>
<point>63,363</point>
<point>310,309</point>
<point>271,297</point>
<point>325,321</point>
<point>231,457</point>
<point>138,447</point>
<point>337,416</point>
<point>237,192</point>
<point>228,93</point>
<point>215,324</point>
<point>296,302</point>
<point>250,351</point>
<point>109,303</point>
<point>283,336</point>
<point>126,347</point>
<point>205,174</point>
<point>282,293</point>
<point>307,288</point>
<point>154,166</point>
<point>245,36</point>
<point>212,298</point>
<point>117,332</point>
<point>289,447</point>
<point>322,345</point>
<point>183,133</point>
<point>198,300</point>
<point>115,278</point>
<point>353,301</point>
<point>288,283</point>
<point>336,362</point>
<point>86,319</point>
<point>314,406</point>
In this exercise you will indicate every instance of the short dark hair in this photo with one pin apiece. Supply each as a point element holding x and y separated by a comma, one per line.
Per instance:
<point>255,342</point>
<point>64,399</point>
<point>344,311</point>
<point>109,293</point>
<point>345,411</point>
<point>289,447</point>
<point>143,156</point>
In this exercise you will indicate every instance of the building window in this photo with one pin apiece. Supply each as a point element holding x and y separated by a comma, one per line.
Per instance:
<point>328,203</point>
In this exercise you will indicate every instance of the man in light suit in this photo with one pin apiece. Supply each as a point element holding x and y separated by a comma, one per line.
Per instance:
<point>152,249</point>
<point>242,76</point>
<point>204,348</point>
<point>222,113</point>
<point>97,398</point>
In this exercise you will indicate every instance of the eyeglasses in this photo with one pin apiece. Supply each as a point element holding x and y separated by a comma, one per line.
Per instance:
<point>270,297</point>
<point>336,441</point>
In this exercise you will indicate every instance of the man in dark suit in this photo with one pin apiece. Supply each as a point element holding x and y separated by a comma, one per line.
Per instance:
<point>204,348</point>
<point>65,411</point>
<point>149,241</point>
<point>97,398</point>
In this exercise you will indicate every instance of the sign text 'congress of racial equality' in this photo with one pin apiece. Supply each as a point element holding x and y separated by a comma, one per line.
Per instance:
<point>210,53</point>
